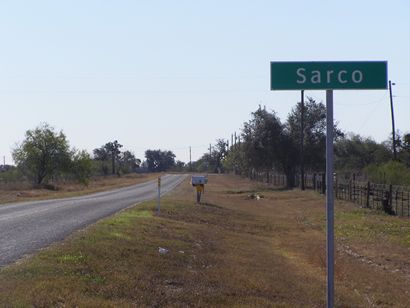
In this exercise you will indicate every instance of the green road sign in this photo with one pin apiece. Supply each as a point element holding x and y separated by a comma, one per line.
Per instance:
<point>358,75</point>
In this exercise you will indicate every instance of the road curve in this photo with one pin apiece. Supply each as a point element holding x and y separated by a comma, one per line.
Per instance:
<point>28,226</point>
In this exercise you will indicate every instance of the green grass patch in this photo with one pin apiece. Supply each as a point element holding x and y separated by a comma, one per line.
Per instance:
<point>110,264</point>
<point>72,258</point>
<point>369,225</point>
<point>128,217</point>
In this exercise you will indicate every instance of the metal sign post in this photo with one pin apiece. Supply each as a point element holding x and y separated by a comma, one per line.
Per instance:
<point>360,75</point>
<point>329,198</point>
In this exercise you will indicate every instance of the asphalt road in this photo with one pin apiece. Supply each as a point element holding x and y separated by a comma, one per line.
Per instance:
<point>28,226</point>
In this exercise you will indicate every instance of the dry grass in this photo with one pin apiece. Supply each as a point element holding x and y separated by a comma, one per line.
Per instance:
<point>64,190</point>
<point>230,251</point>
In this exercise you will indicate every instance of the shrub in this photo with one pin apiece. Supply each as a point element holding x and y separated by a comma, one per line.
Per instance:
<point>392,172</point>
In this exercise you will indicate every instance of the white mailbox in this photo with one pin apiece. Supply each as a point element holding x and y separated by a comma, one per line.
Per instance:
<point>199,180</point>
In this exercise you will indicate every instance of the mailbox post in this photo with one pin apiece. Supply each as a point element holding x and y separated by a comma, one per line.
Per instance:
<point>199,181</point>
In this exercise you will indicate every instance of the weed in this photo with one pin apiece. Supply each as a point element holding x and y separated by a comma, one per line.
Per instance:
<point>72,258</point>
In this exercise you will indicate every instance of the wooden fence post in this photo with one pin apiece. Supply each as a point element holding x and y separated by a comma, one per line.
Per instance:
<point>314,181</point>
<point>368,195</point>
<point>354,186</point>
<point>323,183</point>
<point>337,187</point>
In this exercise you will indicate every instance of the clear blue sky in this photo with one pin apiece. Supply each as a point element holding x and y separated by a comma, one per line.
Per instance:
<point>174,74</point>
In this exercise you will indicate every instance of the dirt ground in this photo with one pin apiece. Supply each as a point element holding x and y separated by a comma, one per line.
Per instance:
<point>373,249</point>
<point>24,192</point>
<point>245,245</point>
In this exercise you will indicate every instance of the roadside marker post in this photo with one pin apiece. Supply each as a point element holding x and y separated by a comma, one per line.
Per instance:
<point>343,75</point>
<point>159,196</point>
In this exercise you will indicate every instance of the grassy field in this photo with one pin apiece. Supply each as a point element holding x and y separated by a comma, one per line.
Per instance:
<point>23,192</point>
<point>232,250</point>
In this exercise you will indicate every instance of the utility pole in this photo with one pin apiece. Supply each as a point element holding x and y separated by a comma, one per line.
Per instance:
<point>190,159</point>
<point>235,139</point>
<point>231,140</point>
<point>392,120</point>
<point>210,153</point>
<point>302,132</point>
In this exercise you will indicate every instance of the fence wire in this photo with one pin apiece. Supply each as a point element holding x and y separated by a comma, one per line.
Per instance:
<point>392,199</point>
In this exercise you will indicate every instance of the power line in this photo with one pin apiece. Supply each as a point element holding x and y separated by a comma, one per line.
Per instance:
<point>364,104</point>
<point>369,115</point>
<point>372,102</point>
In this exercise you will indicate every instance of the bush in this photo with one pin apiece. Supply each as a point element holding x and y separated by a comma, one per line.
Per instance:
<point>11,176</point>
<point>82,167</point>
<point>392,172</point>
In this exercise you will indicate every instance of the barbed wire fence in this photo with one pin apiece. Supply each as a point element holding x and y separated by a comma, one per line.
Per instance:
<point>392,199</point>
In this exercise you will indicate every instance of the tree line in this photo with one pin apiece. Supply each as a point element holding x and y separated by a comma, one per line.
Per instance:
<point>267,144</point>
<point>45,155</point>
